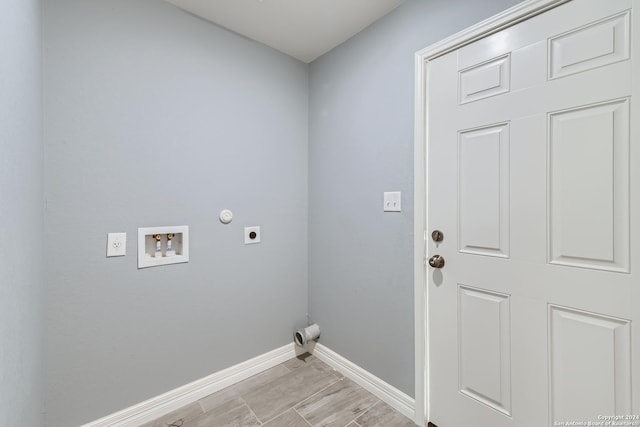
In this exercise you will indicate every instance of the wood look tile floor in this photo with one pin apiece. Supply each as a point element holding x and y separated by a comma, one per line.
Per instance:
<point>300,392</point>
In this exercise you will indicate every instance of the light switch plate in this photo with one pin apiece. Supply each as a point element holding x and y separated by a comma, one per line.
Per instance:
<point>393,201</point>
<point>116,244</point>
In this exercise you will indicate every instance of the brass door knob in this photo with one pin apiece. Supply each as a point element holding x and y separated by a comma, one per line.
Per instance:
<point>436,261</point>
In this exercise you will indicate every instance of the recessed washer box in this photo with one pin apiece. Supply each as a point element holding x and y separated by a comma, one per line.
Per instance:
<point>163,245</point>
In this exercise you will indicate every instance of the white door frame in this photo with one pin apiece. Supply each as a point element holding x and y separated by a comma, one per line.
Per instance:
<point>509,17</point>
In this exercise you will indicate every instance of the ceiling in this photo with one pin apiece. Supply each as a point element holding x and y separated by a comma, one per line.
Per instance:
<point>304,29</point>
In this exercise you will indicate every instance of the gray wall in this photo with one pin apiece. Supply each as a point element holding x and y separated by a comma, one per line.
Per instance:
<point>154,117</point>
<point>21,213</point>
<point>360,145</point>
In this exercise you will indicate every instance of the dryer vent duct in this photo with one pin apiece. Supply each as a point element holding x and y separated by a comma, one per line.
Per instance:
<point>303,336</point>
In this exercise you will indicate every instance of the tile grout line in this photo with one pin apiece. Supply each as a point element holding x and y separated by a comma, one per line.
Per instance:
<point>240,395</point>
<point>305,420</point>
<point>363,412</point>
<point>318,392</point>
<point>368,409</point>
<point>301,402</point>
<point>251,410</point>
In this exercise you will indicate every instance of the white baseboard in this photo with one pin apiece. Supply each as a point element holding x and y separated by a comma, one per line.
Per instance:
<point>399,401</point>
<point>156,407</point>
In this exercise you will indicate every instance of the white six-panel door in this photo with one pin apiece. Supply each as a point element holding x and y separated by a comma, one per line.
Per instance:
<point>534,181</point>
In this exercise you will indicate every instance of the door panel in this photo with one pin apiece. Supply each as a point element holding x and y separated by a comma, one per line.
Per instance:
<point>485,80</point>
<point>483,180</point>
<point>605,349</point>
<point>589,200</point>
<point>531,161</point>
<point>485,347</point>
<point>594,45</point>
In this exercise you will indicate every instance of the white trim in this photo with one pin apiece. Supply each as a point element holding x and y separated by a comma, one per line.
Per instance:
<point>156,407</point>
<point>384,391</point>
<point>518,13</point>
<point>509,17</point>
<point>421,341</point>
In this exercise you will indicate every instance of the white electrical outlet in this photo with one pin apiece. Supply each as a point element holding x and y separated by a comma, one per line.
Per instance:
<point>251,235</point>
<point>116,244</point>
